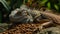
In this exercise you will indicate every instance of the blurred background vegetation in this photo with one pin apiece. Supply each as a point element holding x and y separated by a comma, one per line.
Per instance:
<point>6,6</point>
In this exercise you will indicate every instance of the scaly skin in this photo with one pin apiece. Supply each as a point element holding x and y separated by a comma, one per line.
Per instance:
<point>51,16</point>
<point>23,29</point>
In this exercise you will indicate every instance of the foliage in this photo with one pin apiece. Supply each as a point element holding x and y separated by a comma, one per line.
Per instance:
<point>50,4</point>
<point>5,4</point>
<point>4,7</point>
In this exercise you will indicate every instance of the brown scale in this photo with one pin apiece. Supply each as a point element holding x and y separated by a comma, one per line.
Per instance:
<point>28,28</point>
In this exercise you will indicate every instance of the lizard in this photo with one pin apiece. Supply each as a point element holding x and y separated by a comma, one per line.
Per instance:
<point>51,16</point>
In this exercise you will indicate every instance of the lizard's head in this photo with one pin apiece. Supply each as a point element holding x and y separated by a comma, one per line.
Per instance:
<point>20,15</point>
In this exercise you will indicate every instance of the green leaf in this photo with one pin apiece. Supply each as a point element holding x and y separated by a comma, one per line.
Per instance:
<point>5,5</point>
<point>44,1</point>
<point>49,5</point>
<point>56,7</point>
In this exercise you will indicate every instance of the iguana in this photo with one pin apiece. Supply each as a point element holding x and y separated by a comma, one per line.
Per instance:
<point>25,14</point>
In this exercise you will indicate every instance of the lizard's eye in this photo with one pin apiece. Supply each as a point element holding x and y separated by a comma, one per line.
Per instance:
<point>18,14</point>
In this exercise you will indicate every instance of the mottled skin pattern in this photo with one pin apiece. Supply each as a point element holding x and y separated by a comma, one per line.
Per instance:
<point>24,29</point>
